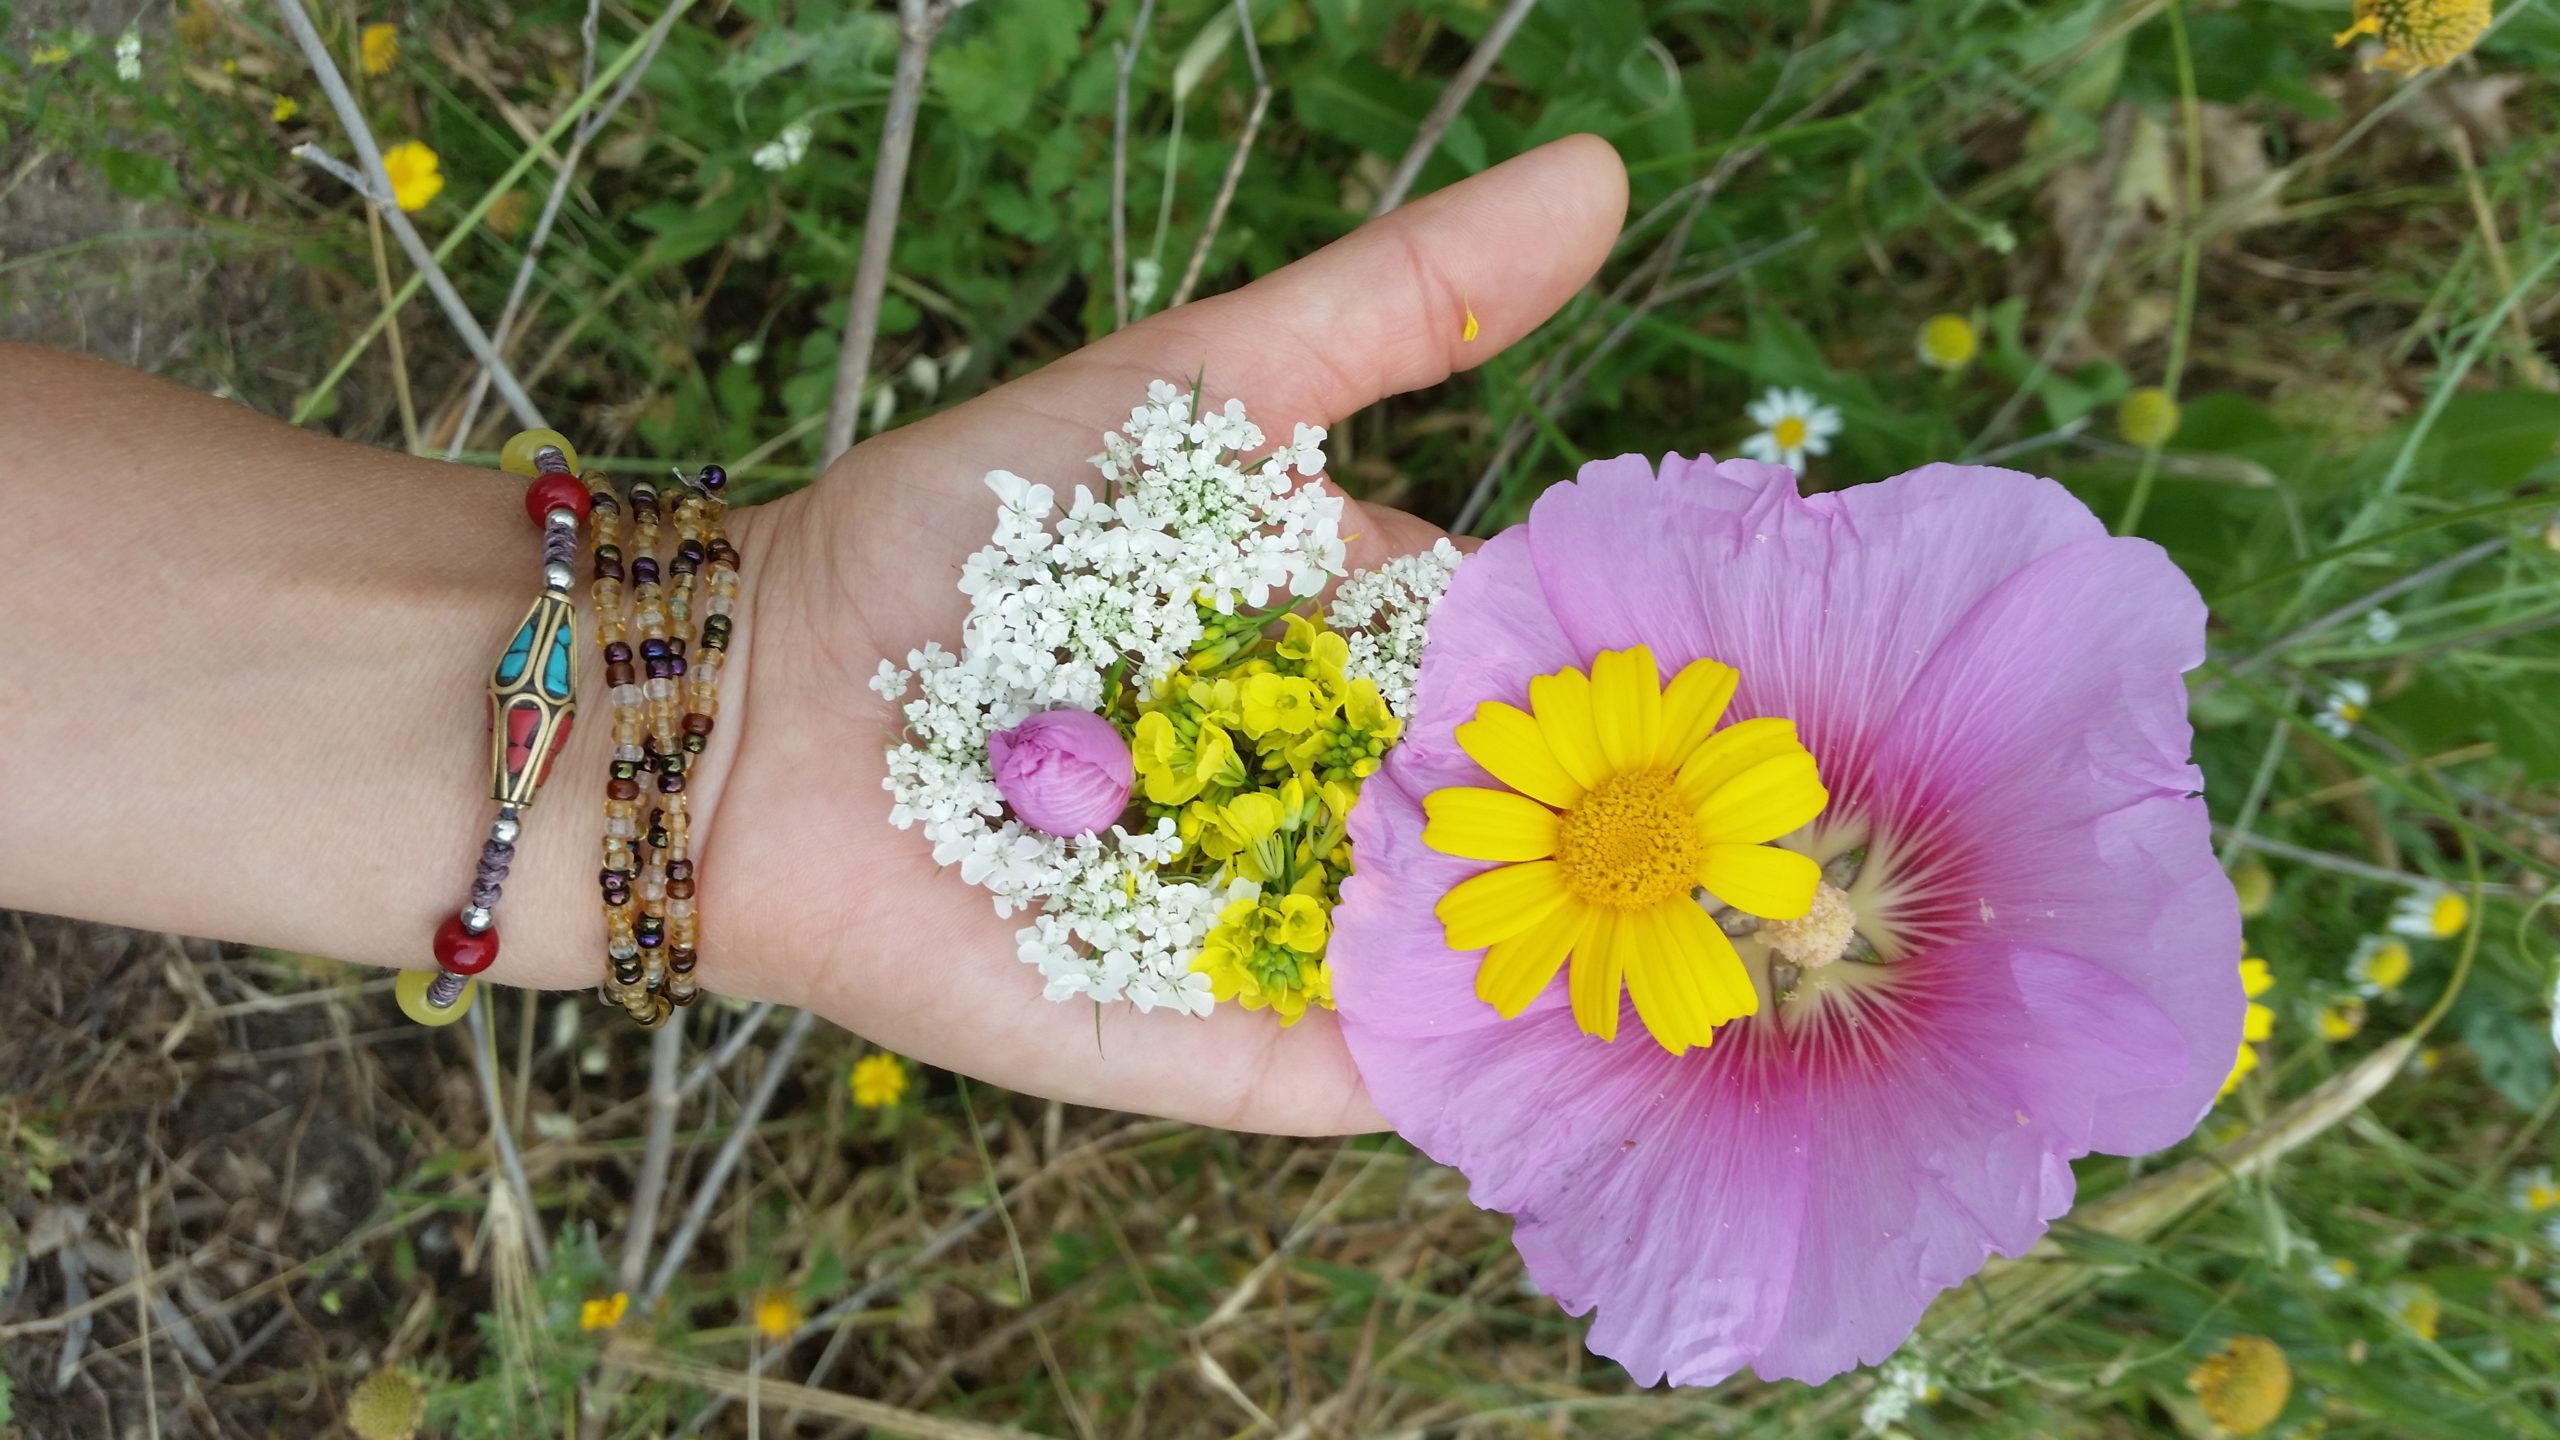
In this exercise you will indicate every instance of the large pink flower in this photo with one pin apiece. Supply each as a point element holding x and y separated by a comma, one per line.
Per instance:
<point>2046,954</point>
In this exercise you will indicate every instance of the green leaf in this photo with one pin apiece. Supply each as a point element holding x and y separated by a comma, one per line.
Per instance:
<point>684,232</point>
<point>136,176</point>
<point>2487,440</point>
<point>2515,1054</point>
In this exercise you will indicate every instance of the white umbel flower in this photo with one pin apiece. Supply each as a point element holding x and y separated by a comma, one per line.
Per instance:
<point>1793,424</point>
<point>129,53</point>
<point>1382,614</point>
<point>784,150</point>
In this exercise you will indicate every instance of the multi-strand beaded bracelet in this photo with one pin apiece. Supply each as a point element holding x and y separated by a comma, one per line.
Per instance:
<point>652,930</point>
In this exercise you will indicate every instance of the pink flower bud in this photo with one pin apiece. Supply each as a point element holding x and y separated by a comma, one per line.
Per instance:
<point>1064,772</point>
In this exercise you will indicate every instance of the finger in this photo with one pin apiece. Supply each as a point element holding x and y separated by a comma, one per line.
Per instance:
<point>1379,312</point>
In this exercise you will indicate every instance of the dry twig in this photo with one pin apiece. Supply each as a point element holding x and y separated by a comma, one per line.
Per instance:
<point>1452,100</point>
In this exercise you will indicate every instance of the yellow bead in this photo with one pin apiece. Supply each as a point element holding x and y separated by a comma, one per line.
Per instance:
<point>516,457</point>
<point>411,988</point>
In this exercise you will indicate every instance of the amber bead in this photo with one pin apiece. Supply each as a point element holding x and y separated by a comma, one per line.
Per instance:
<point>679,889</point>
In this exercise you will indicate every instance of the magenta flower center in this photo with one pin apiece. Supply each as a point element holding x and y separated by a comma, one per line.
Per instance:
<point>1630,844</point>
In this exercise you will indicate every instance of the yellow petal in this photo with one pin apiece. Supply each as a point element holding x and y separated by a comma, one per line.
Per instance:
<point>1669,997</point>
<point>1477,824</point>
<point>1626,707</point>
<point>1599,969</point>
<point>1730,993</point>
<point>1764,802</point>
<point>1500,903</point>
<point>1691,707</point>
<point>1731,751</point>
<point>1505,740</point>
<point>1562,703</point>
<point>1760,880</point>
<point>1519,970</point>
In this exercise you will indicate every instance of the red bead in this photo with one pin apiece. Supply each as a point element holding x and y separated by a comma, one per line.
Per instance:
<point>555,490</point>
<point>462,952</point>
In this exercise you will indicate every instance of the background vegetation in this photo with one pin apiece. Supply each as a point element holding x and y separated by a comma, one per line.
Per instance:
<point>2346,278</point>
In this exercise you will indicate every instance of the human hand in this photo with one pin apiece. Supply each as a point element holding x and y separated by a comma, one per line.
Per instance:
<point>814,900</point>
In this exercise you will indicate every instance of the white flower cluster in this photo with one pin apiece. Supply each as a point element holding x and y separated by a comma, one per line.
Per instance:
<point>1383,614</point>
<point>1059,603</point>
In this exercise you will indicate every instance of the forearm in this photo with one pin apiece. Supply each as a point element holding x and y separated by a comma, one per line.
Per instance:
<point>247,697</point>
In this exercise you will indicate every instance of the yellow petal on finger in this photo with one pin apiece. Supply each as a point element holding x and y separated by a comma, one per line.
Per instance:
<point>1599,968</point>
<point>1502,902</point>
<point>1778,795</point>
<point>1626,707</point>
<point>1518,970</point>
<point>1562,703</point>
<point>1691,706</point>
<point>1732,750</point>
<point>1760,880</point>
<point>1506,741</point>
<point>1477,824</point>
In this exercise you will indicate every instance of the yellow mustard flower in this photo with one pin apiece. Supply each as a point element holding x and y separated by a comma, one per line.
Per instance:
<point>1176,767</point>
<point>778,1315</point>
<point>2417,35</point>
<point>1620,799</point>
<point>416,174</point>
<point>2244,1385</point>
<point>2341,1019</point>
<point>286,107</point>
<point>379,46</point>
<point>2256,1025</point>
<point>879,1080</point>
<point>605,1314</point>
<point>2148,418</point>
<point>1948,342</point>
<point>1268,954</point>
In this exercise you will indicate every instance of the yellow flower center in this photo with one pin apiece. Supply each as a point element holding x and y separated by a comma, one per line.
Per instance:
<point>1630,845</point>
<point>2418,34</point>
<point>2542,1195</point>
<point>2243,1389</point>
<point>1789,432</point>
<point>2451,912</point>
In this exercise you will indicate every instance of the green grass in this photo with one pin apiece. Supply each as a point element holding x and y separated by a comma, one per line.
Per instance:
<point>2205,197</point>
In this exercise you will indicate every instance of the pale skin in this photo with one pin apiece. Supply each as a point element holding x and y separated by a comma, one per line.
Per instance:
<point>246,668</point>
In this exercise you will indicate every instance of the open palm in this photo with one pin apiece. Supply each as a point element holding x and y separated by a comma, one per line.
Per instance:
<point>818,902</point>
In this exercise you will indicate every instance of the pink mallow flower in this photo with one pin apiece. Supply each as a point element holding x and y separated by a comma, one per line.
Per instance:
<point>1064,772</point>
<point>2020,949</point>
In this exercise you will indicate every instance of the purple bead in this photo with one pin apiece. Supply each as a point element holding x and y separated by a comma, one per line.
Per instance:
<point>652,939</point>
<point>675,666</point>
<point>661,668</point>
<point>617,653</point>
<point>644,571</point>
<point>713,477</point>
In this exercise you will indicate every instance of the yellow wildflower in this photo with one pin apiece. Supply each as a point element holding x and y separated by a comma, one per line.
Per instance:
<point>380,45</point>
<point>2417,35</point>
<point>605,1314</point>
<point>2341,1019</point>
<point>1281,705</point>
<point>1948,342</point>
<point>2148,418</point>
<point>879,1080</point>
<point>286,107</point>
<point>2418,1308</point>
<point>2243,1387</point>
<point>2256,1025</point>
<point>1176,767</point>
<point>416,176</point>
<point>778,1315</point>
<point>1268,953</point>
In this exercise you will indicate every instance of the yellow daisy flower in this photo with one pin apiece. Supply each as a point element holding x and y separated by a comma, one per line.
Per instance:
<point>380,45</point>
<point>416,174</point>
<point>778,1315</point>
<point>1623,800</point>
<point>2243,1386</point>
<point>879,1080</point>
<point>2417,35</point>
<point>2257,1025</point>
<point>1948,342</point>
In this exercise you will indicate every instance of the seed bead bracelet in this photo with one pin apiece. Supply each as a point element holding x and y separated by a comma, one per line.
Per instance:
<point>532,701</point>
<point>652,929</point>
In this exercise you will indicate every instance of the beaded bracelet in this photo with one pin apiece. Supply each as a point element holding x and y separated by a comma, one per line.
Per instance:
<point>652,929</point>
<point>532,701</point>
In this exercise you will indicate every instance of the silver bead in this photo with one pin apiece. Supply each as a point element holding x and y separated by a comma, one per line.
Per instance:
<point>505,829</point>
<point>560,517</point>
<point>477,919</point>
<point>557,576</point>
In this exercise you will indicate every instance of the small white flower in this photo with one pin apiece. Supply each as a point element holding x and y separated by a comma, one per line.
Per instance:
<point>2333,1274</point>
<point>129,54</point>
<point>2381,627</point>
<point>1903,1383</point>
<point>2430,912</point>
<point>2535,1192</point>
<point>1145,274</point>
<point>747,352</point>
<point>1793,424</point>
<point>2344,708</point>
<point>784,150</point>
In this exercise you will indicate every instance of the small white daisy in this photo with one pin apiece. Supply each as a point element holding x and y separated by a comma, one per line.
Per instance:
<point>2381,963</point>
<point>2535,1192</point>
<point>2344,709</point>
<point>2333,1273</point>
<point>2430,913</point>
<point>1793,425</point>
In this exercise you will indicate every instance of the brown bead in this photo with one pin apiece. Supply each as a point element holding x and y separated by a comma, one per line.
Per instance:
<point>622,789</point>
<point>679,889</point>
<point>697,724</point>
<point>620,675</point>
